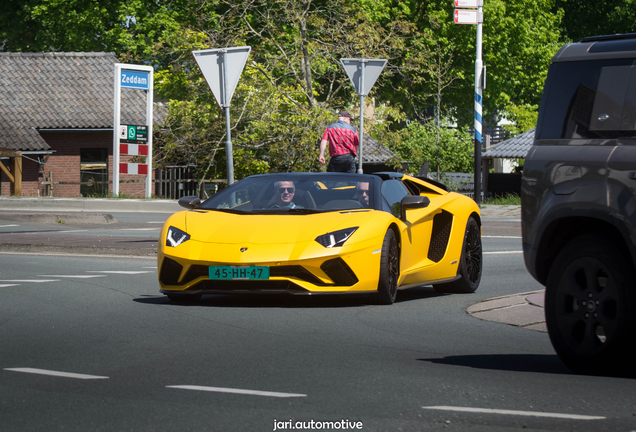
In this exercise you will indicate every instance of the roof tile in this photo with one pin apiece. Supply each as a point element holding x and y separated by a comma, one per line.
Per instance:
<point>59,90</point>
<point>513,148</point>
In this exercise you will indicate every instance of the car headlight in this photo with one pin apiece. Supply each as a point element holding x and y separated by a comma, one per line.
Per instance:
<point>175,237</point>
<point>336,238</point>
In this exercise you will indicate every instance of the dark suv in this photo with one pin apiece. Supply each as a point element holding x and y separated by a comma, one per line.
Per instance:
<point>579,203</point>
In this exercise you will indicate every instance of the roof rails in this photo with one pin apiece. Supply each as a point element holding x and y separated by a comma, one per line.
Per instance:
<point>609,37</point>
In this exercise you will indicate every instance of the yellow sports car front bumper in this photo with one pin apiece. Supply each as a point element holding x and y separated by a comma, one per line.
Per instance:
<point>298,267</point>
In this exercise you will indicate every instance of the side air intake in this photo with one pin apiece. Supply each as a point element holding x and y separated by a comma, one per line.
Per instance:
<point>442,223</point>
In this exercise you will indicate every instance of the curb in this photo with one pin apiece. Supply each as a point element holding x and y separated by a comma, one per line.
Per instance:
<point>58,218</point>
<point>94,205</point>
<point>35,249</point>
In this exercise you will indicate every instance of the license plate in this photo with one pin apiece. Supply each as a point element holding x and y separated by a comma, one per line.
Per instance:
<point>238,272</point>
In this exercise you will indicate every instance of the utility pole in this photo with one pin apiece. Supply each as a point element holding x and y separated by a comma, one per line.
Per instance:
<point>475,17</point>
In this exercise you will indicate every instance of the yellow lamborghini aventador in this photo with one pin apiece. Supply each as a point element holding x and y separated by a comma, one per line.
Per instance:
<point>322,233</point>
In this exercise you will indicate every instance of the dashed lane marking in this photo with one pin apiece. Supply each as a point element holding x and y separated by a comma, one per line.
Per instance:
<point>29,280</point>
<point>54,232</point>
<point>501,252</point>
<point>8,285</point>
<point>140,229</point>
<point>513,412</point>
<point>73,276</point>
<point>55,373</point>
<point>8,226</point>
<point>237,391</point>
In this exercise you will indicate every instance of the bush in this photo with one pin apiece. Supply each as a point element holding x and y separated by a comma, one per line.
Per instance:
<point>450,148</point>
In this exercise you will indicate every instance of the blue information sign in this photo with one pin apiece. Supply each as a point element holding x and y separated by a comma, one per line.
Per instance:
<point>135,79</point>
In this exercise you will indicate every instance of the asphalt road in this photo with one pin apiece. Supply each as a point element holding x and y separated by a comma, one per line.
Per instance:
<point>131,233</point>
<point>88,344</point>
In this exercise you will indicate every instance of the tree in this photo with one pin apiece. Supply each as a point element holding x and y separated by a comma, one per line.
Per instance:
<point>293,82</point>
<point>592,18</point>
<point>451,152</point>
<point>519,39</point>
<point>292,85</point>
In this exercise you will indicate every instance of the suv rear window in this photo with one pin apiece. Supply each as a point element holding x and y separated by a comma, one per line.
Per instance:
<point>590,100</point>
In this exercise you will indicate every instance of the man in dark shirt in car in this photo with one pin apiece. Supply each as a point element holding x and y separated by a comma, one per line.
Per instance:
<point>362,193</point>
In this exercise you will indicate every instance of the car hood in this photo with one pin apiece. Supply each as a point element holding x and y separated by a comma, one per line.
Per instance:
<point>228,228</point>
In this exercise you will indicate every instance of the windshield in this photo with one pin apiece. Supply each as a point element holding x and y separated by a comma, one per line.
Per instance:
<point>294,194</point>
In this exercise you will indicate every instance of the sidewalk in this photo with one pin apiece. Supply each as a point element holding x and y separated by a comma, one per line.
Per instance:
<point>524,310</point>
<point>92,205</point>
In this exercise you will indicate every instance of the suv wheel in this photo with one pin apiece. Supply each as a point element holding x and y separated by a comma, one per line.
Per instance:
<point>588,298</point>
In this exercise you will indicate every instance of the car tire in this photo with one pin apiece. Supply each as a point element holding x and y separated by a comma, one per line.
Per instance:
<point>389,270</point>
<point>589,306</point>
<point>184,298</point>
<point>470,263</point>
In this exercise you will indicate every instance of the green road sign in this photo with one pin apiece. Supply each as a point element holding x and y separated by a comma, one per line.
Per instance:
<point>133,134</point>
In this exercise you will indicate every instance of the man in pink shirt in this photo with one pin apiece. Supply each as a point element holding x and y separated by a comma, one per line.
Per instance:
<point>343,145</point>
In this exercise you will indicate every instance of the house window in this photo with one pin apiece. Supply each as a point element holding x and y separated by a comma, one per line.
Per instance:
<point>94,172</point>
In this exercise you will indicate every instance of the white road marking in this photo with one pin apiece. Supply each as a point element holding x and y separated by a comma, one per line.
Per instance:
<point>66,254</point>
<point>29,280</point>
<point>7,226</point>
<point>502,252</point>
<point>125,272</point>
<point>55,373</point>
<point>73,276</point>
<point>513,412</point>
<point>55,232</point>
<point>155,267</point>
<point>8,285</point>
<point>238,391</point>
<point>140,229</point>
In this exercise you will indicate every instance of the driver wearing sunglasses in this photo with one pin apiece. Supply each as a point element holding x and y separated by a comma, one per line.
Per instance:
<point>285,191</point>
<point>362,193</point>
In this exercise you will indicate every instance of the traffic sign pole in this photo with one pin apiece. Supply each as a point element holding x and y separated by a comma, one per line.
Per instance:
<point>478,105</point>
<point>116,121</point>
<point>229,153</point>
<point>361,131</point>
<point>363,73</point>
<point>136,77</point>
<point>472,16</point>
<point>222,69</point>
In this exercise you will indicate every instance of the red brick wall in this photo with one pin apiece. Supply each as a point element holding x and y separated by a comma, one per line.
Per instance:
<point>29,178</point>
<point>64,165</point>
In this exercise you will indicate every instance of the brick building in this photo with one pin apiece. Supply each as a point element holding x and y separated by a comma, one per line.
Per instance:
<point>56,116</point>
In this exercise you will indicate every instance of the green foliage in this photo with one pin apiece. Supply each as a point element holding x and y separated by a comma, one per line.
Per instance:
<point>290,90</point>
<point>519,39</point>
<point>592,18</point>
<point>293,83</point>
<point>524,118</point>
<point>508,199</point>
<point>445,149</point>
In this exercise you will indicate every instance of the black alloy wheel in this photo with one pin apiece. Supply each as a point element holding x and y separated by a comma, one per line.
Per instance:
<point>470,264</point>
<point>589,306</point>
<point>389,270</point>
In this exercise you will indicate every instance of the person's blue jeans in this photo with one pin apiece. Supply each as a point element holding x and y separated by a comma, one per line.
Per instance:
<point>342,163</point>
